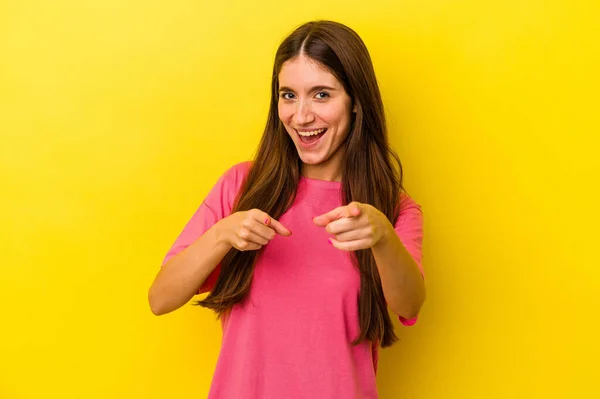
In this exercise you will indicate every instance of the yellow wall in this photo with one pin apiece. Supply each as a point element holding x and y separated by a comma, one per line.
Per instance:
<point>117,117</point>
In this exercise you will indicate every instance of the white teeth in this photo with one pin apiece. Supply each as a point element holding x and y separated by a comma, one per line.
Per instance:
<point>313,133</point>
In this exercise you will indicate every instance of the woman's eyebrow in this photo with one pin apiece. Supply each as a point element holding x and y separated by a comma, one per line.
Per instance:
<point>315,88</point>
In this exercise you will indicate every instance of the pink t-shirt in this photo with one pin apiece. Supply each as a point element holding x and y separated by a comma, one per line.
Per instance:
<point>292,337</point>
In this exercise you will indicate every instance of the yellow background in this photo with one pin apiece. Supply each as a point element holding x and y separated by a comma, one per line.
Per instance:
<point>117,117</point>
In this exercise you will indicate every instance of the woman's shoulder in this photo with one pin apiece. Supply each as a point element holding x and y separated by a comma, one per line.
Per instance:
<point>241,167</point>
<point>407,203</point>
<point>237,172</point>
<point>227,187</point>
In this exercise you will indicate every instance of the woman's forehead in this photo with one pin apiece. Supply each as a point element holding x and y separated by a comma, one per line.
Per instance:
<point>302,72</point>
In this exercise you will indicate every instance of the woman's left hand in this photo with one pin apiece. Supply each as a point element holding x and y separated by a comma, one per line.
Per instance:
<point>354,226</point>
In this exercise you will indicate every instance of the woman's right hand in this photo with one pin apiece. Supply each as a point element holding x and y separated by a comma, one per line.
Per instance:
<point>250,230</point>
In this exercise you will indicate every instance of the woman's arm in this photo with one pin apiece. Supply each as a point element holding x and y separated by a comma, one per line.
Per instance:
<point>181,277</point>
<point>361,226</point>
<point>401,279</point>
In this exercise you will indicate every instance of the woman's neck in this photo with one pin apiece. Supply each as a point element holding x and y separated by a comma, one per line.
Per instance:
<point>322,172</point>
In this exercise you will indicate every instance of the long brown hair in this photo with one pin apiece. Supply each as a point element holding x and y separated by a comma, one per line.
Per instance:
<point>371,171</point>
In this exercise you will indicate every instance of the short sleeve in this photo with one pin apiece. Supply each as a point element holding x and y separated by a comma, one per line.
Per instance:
<point>216,205</point>
<point>409,228</point>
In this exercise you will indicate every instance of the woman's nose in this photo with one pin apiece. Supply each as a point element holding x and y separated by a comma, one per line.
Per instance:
<point>303,114</point>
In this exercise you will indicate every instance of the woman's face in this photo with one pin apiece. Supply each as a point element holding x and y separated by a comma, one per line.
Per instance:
<point>316,112</point>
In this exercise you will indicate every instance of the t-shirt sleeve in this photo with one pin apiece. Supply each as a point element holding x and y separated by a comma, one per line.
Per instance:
<point>216,205</point>
<point>409,228</point>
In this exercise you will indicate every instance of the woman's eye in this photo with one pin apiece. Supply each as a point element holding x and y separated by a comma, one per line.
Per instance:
<point>287,96</point>
<point>322,94</point>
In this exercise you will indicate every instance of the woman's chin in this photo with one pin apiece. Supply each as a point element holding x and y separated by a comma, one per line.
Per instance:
<point>311,159</point>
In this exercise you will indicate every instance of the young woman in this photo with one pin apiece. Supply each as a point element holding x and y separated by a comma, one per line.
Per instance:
<point>303,249</point>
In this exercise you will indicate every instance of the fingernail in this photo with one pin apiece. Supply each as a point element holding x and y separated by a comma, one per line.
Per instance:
<point>267,221</point>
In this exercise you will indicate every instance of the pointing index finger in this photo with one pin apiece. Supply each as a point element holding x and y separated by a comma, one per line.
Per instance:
<point>345,211</point>
<point>277,226</point>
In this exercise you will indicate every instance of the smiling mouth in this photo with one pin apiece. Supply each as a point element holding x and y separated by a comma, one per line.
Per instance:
<point>312,136</point>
